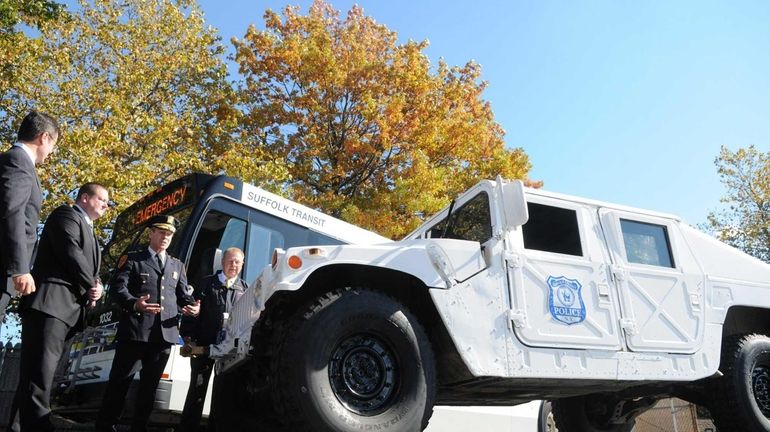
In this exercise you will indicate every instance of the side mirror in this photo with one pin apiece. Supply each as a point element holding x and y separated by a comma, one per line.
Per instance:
<point>514,204</point>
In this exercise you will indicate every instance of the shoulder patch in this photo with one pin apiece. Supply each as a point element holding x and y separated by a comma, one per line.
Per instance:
<point>122,261</point>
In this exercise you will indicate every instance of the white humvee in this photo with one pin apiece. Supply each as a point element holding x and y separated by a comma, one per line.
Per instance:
<point>509,295</point>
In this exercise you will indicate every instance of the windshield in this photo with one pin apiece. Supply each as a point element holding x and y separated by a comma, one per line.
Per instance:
<point>137,239</point>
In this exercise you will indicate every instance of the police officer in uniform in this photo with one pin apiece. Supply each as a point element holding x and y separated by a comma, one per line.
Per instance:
<point>151,288</point>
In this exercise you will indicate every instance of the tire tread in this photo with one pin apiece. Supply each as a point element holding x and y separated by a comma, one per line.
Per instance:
<point>285,403</point>
<point>726,410</point>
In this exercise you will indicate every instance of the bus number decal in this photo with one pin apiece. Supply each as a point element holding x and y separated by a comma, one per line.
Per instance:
<point>105,317</point>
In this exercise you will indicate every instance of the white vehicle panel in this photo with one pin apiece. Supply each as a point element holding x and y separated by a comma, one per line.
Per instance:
<point>719,260</point>
<point>535,277</point>
<point>663,308</point>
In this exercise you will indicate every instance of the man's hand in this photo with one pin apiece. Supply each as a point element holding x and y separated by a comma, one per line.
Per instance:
<point>142,306</point>
<point>190,349</point>
<point>197,351</point>
<point>95,292</point>
<point>192,310</point>
<point>186,349</point>
<point>24,284</point>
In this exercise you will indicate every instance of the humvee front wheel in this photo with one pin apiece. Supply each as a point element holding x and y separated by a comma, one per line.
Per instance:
<point>741,397</point>
<point>589,413</point>
<point>354,360</point>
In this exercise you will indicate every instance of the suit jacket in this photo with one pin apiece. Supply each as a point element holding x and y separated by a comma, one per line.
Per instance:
<point>215,300</point>
<point>141,275</point>
<point>66,267</point>
<point>20,202</point>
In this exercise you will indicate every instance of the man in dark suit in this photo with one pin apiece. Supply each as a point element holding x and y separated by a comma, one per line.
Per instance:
<point>20,202</point>
<point>217,294</point>
<point>66,276</point>
<point>150,287</point>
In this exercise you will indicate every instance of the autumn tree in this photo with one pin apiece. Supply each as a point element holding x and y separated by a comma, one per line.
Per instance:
<point>745,223</point>
<point>16,47</point>
<point>369,129</point>
<point>141,88</point>
<point>29,12</point>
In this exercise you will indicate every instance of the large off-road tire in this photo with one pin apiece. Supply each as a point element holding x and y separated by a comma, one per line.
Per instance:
<point>354,360</point>
<point>741,397</point>
<point>585,414</point>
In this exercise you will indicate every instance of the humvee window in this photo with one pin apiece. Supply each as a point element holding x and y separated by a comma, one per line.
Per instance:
<point>469,222</point>
<point>646,243</point>
<point>552,229</point>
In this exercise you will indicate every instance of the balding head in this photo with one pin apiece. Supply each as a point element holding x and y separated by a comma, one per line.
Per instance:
<point>232,262</point>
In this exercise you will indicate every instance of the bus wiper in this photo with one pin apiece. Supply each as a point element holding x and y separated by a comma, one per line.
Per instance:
<point>448,220</point>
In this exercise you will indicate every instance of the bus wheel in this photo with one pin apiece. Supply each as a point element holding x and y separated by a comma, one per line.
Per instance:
<point>590,413</point>
<point>741,397</point>
<point>545,421</point>
<point>354,360</point>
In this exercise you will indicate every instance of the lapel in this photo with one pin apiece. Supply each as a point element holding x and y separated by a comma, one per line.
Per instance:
<point>89,239</point>
<point>38,194</point>
<point>98,251</point>
<point>151,261</point>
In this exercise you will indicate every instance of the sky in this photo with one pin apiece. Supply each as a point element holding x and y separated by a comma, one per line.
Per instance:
<point>620,101</point>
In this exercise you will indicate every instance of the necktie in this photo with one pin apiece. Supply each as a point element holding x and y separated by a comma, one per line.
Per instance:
<point>160,261</point>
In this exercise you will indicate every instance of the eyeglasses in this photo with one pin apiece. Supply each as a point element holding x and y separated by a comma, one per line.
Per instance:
<point>52,140</point>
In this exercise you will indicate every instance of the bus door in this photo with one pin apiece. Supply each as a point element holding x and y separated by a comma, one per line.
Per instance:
<point>223,225</point>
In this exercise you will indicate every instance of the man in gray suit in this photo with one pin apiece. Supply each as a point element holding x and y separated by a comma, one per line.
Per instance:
<point>66,275</point>
<point>20,202</point>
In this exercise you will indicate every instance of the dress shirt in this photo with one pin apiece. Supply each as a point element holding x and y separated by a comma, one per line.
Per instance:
<point>27,150</point>
<point>226,282</point>
<point>85,215</point>
<point>162,255</point>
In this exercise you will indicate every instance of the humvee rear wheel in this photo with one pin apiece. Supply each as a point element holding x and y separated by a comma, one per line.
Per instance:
<point>741,397</point>
<point>354,360</point>
<point>589,413</point>
<point>545,421</point>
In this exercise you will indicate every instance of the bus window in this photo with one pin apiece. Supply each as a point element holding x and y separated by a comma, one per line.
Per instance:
<point>268,232</point>
<point>319,239</point>
<point>262,242</point>
<point>218,232</point>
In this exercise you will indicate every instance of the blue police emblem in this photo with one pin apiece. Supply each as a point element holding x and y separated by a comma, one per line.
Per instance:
<point>564,300</point>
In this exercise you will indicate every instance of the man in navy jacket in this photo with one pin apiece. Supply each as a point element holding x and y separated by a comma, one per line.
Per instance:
<point>151,287</point>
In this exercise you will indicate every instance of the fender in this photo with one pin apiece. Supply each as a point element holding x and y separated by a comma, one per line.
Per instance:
<point>438,263</point>
<point>732,277</point>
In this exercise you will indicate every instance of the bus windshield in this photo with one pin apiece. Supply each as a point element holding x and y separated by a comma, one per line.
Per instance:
<point>130,234</point>
<point>137,239</point>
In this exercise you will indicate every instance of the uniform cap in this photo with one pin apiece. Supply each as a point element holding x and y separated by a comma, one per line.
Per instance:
<point>163,222</point>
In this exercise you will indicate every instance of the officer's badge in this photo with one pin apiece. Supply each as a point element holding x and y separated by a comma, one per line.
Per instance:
<point>565,301</point>
<point>175,275</point>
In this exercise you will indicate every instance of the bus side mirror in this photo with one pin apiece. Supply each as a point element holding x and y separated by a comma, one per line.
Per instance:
<point>514,205</point>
